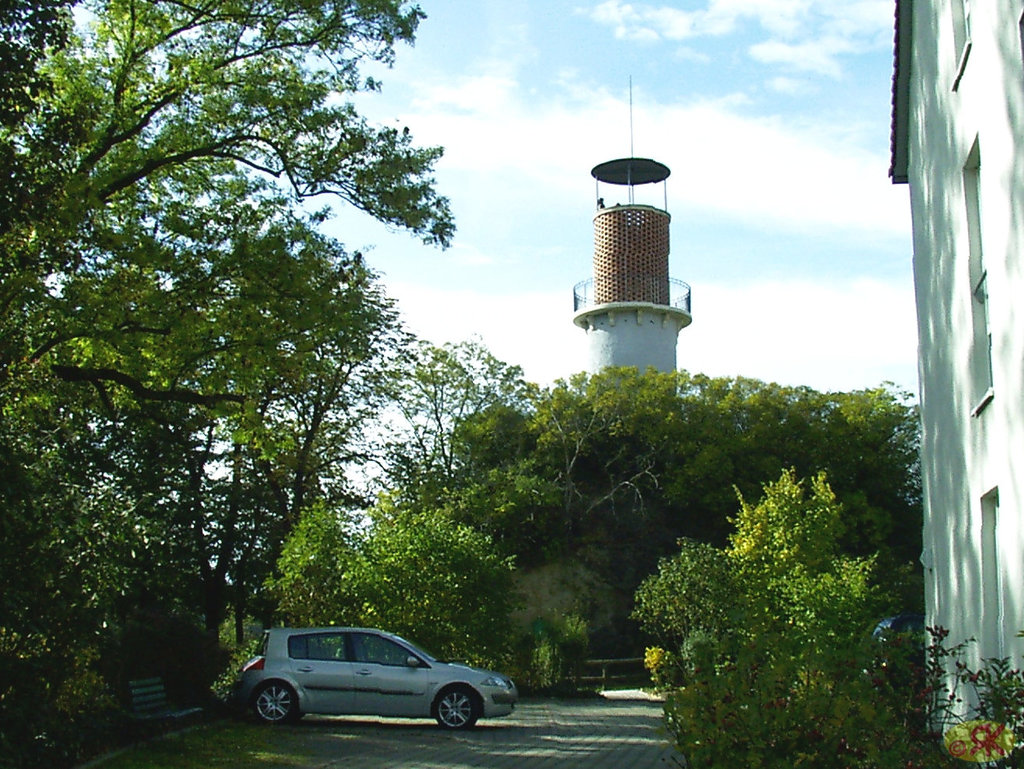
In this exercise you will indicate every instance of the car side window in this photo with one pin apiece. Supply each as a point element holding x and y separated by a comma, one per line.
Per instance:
<point>319,646</point>
<point>373,648</point>
<point>327,646</point>
<point>298,647</point>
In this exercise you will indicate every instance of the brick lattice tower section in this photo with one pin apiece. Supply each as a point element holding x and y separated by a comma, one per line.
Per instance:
<point>631,255</point>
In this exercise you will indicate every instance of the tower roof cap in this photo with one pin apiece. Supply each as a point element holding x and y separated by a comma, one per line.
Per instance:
<point>631,171</point>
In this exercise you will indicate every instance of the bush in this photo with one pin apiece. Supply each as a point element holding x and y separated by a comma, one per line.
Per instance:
<point>185,656</point>
<point>551,656</point>
<point>954,692</point>
<point>55,709</point>
<point>668,668</point>
<point>224,685</point>
<point>774,704</point>
<point>776,667</point>
<point>783,572</point>
<point>439,583</point>
<point>689,597</point>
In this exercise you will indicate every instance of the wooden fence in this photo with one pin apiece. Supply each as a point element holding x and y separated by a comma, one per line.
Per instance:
<point>625,673</point>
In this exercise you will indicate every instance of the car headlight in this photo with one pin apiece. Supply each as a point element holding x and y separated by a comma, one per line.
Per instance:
<point>498,681</point>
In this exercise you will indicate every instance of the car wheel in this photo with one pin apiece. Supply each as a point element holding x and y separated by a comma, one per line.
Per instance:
<point>457,708</point>
<point>276,703</point>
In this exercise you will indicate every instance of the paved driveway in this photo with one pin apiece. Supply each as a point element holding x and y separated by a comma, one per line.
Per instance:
<point>541,734</point>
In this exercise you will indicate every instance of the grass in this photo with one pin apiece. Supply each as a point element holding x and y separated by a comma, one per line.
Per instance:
<point>221,745</point>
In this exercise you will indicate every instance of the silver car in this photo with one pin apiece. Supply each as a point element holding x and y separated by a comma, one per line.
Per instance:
<point>358,671</point>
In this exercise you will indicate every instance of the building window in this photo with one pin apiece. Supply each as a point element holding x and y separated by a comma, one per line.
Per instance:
<point>961,10</point>
<point>992,604</point>
<point>1020,29</point>
<point>981,343</point>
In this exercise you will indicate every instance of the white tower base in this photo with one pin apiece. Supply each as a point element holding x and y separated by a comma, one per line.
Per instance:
<point>639,334</point>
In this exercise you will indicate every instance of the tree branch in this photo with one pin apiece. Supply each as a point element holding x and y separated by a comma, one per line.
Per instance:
<point>141,391</point>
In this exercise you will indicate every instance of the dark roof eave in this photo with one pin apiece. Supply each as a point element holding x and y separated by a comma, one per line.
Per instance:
<point>899,137</point>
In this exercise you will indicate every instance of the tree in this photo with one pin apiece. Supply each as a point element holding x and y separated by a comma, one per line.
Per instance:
<point>162,261</point>
<point>783,573</point>
<point>606,438</point>
<point>225,487</point>
<point>28,29</point>
<point>182,114</point>
<point>316,581</point>
<point>165,301</point>
<point>436,397</point>
<point>785,552</point>
<point>614,468</point>
<point>420,575</point>
<point>794,677</point>
<point>692,595</point>
<point>740,433</point>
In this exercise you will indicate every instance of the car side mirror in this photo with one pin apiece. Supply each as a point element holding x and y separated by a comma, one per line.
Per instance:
<point>412,662</point>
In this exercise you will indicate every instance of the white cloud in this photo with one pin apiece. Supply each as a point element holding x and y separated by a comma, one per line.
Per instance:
<point>478,94</point>
<point>765,170</point>
<point>829,336</point>
<point>517,164</point>
<point>643,22</point>
<point>532,330</point>
<point>817,56</point>
<point>809,34</point>
<point>790,86</point>
<point>757,169</point>
<point>686,53</point>
<point>823,335</point>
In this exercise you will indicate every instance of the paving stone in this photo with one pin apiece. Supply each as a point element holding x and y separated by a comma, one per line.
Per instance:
<point>541,734</point>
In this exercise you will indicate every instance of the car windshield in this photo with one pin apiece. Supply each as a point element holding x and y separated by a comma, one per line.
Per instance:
<point>425,655</point>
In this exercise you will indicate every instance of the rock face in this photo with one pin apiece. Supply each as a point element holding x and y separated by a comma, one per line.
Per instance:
<point>556,590</point>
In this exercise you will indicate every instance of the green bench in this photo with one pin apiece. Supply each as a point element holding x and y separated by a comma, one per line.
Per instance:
<point>149,701</point>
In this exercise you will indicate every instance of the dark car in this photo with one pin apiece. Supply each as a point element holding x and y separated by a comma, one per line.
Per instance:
<point>901,623</point>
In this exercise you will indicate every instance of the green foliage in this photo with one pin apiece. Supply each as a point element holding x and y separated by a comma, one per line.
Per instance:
<point>441,583</point>
<point>785,554</point>
<point>647,458</point>
<point>692,597</point>
<point>223,686</point>
<point>791,676</point>
<point>782,573</point>
<point>28,29</point>
<point>461,442</point>
<point>550,658</point>
<point>163,212</point>
<point>956,690</point>
<point>446,397</point>
<point>772,702</point>
<point>999,692</point>
<point>423,576</point>
<point>616,467</point>
<point>317,568</point>
<point>186,362</point>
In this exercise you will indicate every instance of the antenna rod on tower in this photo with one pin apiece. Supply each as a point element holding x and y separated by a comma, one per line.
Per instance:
<point>631,116</point>
<point>631,153</point>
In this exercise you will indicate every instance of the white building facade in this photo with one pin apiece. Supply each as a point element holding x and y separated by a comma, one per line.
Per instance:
<point>958,141</point>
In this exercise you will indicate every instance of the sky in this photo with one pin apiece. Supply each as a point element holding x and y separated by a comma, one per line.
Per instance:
<point>773,116</point>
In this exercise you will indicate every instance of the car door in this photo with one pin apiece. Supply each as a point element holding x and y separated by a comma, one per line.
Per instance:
<point>386,684</point>
<point>321,666</point>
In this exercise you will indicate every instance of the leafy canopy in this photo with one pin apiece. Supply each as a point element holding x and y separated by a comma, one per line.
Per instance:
<point>421,575</point>
<point>153,189</point>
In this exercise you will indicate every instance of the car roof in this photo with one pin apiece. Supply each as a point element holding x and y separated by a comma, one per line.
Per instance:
<point>328,629</point>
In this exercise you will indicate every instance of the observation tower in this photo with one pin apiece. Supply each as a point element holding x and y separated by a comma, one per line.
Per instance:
<point>631,309</point>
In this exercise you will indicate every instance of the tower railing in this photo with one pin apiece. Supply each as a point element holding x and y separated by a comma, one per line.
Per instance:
<point>679,294</point>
